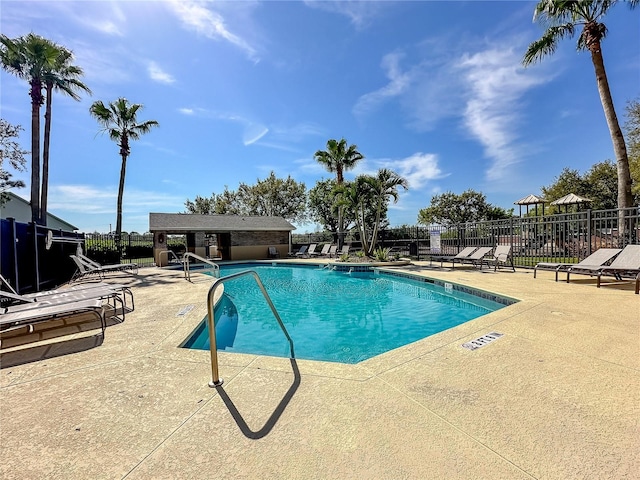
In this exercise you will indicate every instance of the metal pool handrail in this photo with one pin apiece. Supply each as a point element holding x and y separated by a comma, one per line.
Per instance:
<point>170,253</point>
<point>187,270</point>
<point>216,381</point>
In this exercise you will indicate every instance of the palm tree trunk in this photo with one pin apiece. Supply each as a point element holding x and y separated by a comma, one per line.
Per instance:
<point>36,101</point>
<point>123,170</point>
<point>339,182</point>
<point>625,199</point>
<point>45,156</point>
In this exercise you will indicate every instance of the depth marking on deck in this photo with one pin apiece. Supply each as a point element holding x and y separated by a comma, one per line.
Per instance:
<point>482,341</point>
<point>184,311</point>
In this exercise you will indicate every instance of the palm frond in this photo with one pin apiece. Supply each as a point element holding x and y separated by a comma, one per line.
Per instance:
<point>548,43</point>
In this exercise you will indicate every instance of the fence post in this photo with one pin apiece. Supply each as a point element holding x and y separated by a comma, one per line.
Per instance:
<point>589,232</point>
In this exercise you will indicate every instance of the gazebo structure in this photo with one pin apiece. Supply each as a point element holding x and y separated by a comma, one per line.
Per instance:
<point>531,200</point>
<point>570,199</point>
<point>228,237</point>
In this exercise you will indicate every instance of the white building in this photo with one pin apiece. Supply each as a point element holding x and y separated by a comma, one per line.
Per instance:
<point>20,209</point>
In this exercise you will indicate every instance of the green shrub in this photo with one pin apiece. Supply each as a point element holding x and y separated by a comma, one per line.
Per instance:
<point>381,254</point>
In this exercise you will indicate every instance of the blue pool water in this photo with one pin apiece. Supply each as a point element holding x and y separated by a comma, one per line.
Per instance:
<point>333,316</point>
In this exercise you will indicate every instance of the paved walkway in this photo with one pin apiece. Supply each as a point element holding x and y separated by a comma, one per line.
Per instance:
<point>556,397</point>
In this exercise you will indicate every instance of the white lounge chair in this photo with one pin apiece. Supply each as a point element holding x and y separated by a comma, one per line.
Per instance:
<point>302,252</point>
<point>86,267</point>
<point>119,297</point>
<point>596,259</point>
<point>476,258</point>
<point>324,252</point>
<point>501,257</point>
<point>15,317</point>
<point>464,253</point>
<point>626,264</point>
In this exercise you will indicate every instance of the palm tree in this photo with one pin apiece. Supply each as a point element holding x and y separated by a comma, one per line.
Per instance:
<point>562,18</point>
<point>63,77</point>
<point>356,197</point>
<point>384,185</point>
<point>29,57</point>
<point>337,158</point>
<point>120,121</point>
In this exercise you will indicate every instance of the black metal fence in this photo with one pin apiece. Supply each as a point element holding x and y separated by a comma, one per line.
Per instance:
<point>566,237</point>
<point>34,258</point>
<point>31,262</point>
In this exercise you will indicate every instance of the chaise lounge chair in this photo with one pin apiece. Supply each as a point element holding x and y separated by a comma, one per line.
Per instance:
<point>119,297</point>
<point>312,250</point>
<point>302,252</point>
<point>626,264</point>
<point>501,257</point>
<point>475,259</point>
<point>16,317</point>
<point>86,266</point>
<point>596,259</point>
<point>325,250</point>
<point>273,252</point>
<point>464,253</point>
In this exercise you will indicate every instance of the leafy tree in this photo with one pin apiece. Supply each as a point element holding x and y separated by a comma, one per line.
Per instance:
<point>599,184</point>
<point>119,119</point>
<point>201,205</point>
<point>569,181</point>
<point>11,152</point>
<point>275,197</point>
<point>63,77</point>
<point>602,185</point>
<point>269,197</point>
<point>561,18</point>
<point>227,203</point>
<point>632,130</point>
<point>29,58</point>
<point>337,158</point>
<point>323,207</point>
<point>449,208</point>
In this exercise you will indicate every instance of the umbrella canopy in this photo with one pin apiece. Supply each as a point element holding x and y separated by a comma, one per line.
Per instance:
<point>570,199</point>
<point>530,200</point>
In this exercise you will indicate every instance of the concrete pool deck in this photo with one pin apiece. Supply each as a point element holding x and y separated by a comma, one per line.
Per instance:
<point>556,397</point>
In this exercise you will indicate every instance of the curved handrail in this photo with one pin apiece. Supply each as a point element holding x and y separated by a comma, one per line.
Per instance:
<point>216,381</point>
<point>187,270</point>
<point>169,254</point>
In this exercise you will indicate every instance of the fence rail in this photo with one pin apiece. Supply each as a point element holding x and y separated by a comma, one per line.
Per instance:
<point>30,264</point>
<point>565,237</point>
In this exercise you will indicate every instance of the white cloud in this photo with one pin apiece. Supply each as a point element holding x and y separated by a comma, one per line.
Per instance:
<point>361,13</point>
<point>186,111</point>
<point>495,84</point>
<point>418,169</point>
<point>90,199</point>
<point>198,16</point>
<point>157,74</point>
<point>398,83</point>
<point>253,133</point>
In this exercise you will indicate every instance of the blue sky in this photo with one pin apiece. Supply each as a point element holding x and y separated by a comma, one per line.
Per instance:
<point>433,90</point>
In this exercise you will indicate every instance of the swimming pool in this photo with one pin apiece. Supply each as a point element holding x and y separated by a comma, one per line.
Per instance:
<point>334,316</point>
